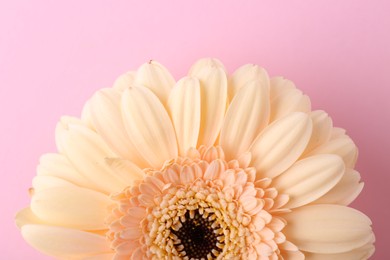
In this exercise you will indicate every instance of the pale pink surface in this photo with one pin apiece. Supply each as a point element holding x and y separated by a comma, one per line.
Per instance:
<point>54,55</point>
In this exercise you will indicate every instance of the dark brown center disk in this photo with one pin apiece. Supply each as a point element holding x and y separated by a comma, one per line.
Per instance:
<point>197,237</point>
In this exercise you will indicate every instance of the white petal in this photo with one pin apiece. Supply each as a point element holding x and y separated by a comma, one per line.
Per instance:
<point>285,99</point>
<point>345,191</point>
<point>363,252</point>
<point>149,126</point>
<point>58,165</point>
<point>184,108</point>
<point>26,216</point>
<point>245,74</point>
<point>281,144</point>
<point>64,242</point>
<point>107,118</point>
<point>204,63</point>
<point>213,84</point>
<point>157,78</point>
<point>246,116</point>
<point>327,229</point>
<point>71,207</point>
<point>322,129</point>
<point>124,81</point>
<point>87,152</point>
<point>310,178</point>
<point>342,146</point>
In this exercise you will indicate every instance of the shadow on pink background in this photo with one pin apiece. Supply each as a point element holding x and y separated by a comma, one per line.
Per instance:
<point>54,55</point>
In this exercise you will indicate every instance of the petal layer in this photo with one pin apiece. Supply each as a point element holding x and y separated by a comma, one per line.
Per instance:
<point>71,207</point>
<point>184,107</point>
<point>58,165</point>
<point>328,229</point>
<point>87,151</point>
<point>26,216</point>
<point>246,116</point>
<point>341,145</point>
<point>281,144</point>
<point>310,178</point>
<point>149,126</point>
<point>286,98</point>
<point>157,78</point>
<point>213,85</point>
<point>322,129</point>
<point>107,119</point>
<point>364,252</point>
<point>124,81</point>
<point>345,191</point>
<point>64,243</point>
<point>245,74</point>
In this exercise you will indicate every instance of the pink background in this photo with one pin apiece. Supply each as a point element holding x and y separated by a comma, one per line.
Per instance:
<point>55,54</point>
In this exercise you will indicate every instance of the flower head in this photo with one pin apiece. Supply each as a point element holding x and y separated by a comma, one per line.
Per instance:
<point>210,167</point>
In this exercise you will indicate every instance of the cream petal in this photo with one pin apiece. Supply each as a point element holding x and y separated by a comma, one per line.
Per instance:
<point>107,119</point>
<point>342,146</point>
<point>310,178</point>
<point>62,126</point>
<point>293,255</point>
<point>327,229</point>
<point>364,252</point>
<point>71,207</point>
<point>57,165</point>
<point>213,89</point>
<point>108,256</point>
<point>26,216</point>
<point>246,116</point>
<point>157,78</point>
<point>42,182</point>
<point>149,126</point>
<point>245,74</point>
<point>337,132</point>
<point>322,129</point>
<point>125,169</point>
<point>124,81</point>
<point>205,63</point>
<point>345,191</point>
<point>286,98</point>
<point>87,152</point>
<point>184,108</point>
<point>64,242</point>
<point>280,144</point>
<point>86,115</point>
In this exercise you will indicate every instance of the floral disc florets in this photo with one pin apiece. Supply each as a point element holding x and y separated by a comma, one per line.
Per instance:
<point>199,207</point>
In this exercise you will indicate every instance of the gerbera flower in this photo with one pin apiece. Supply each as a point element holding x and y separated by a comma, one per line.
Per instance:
<point>210,167</point>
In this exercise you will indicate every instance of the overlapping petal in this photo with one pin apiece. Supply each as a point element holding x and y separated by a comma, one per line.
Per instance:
<point>148,125</point>
<point>328,229</point>
<point>281,144</point>
<point>185,107</point>
<point>246,116</point>
<point>213,89</point>
<point>65,242</point>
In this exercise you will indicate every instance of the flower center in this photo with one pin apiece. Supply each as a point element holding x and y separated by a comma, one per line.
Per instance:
<point>198,207</point>
<point>197,238</point>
